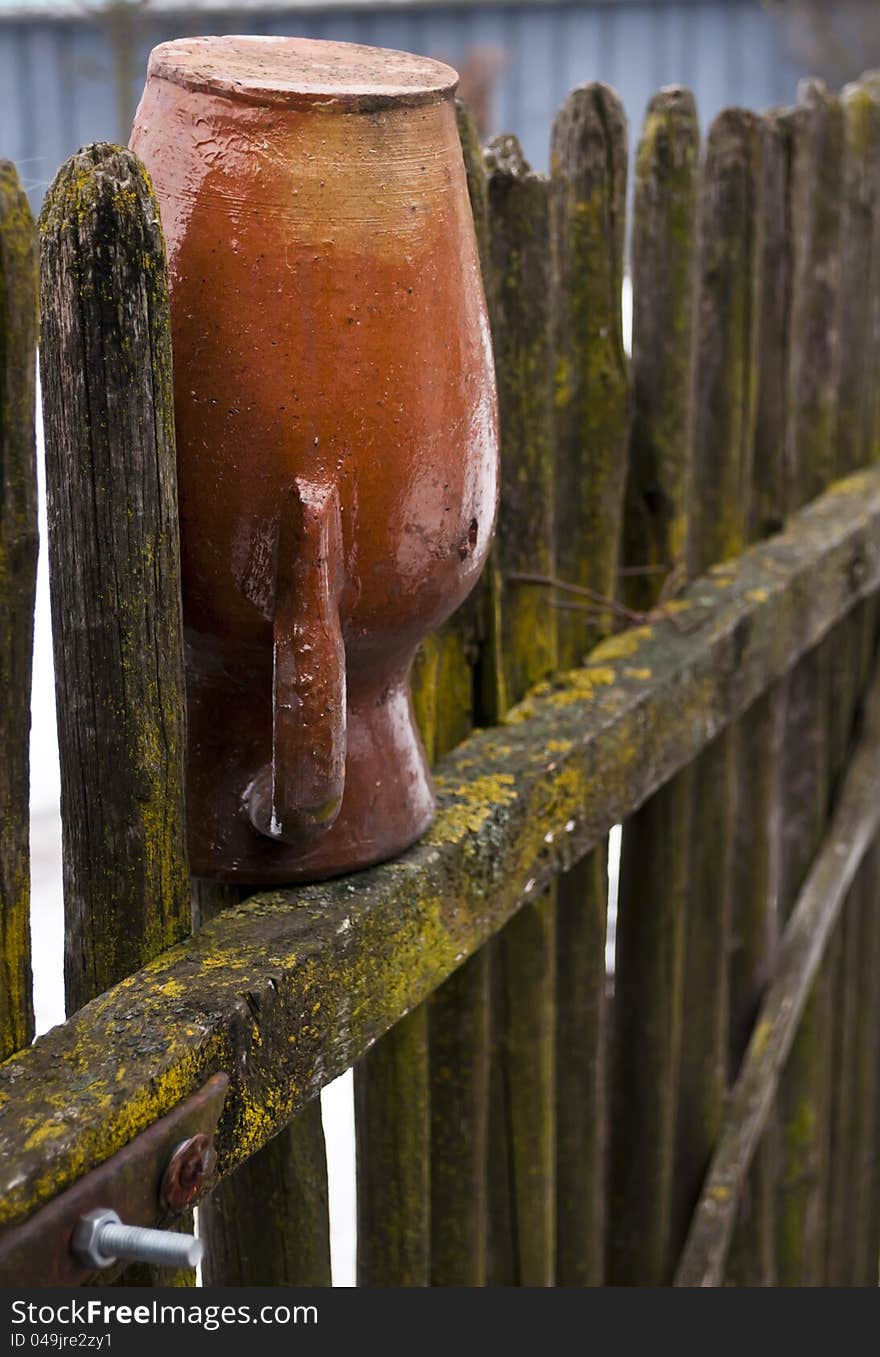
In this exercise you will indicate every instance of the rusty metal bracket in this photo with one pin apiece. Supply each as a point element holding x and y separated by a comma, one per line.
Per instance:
<point>148,1182</point>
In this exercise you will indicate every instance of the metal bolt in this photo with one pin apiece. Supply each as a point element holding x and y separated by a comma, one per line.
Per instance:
<point>190,1164</point>
<point>100,1239</point>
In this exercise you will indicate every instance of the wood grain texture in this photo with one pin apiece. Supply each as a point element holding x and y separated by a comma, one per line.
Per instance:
<point>804,776</point>
<point>393,1124</point>
<point>817,142</point>
<point>731,260</point>
<point>859,275</point>
<point>654,859</point>
<point>592,400</point>
<point>758,737</point>
<point>767,504</point>
<point>648,1020</point>
<point>115,574</point>
<point>269,1224</point>
<point>664,278</point>
<point>458,1033</point>
<point>581,1072</point>
<point>851,648</point>
<point>458,1013</point>
<point>850,653</point>
<point>18,579</point>
<point>865,1230</point>
<point>521,650</point>
<point>853,826</point>
<point>589,165</point>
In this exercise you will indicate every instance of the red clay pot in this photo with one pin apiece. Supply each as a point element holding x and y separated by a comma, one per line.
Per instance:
<point>336,433</point>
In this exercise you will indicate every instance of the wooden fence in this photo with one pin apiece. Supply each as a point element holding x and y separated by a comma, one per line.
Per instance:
<point>676,631</point>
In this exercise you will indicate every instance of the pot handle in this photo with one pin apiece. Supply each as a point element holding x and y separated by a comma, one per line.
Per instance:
<point>298,797</point>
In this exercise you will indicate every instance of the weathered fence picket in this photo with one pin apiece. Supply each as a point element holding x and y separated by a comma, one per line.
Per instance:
<point>814,368</point>
<point>111,482</point>
<point>18,579</point>
<point>521,649</point>
<point>115,572</point>
<point>730,288</point>
<point>758,737</point>
<point>851,647</point>
<point>653,866</point>
<point>865,1187</point>
<point>727,1131</point>
<point>592,400</point>
<point>458,1015</point>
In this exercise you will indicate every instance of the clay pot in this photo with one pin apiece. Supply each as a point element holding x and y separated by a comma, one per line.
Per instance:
<point>336,433</point>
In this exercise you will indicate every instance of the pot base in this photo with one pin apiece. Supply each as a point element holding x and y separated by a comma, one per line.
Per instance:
<point>387,805</point>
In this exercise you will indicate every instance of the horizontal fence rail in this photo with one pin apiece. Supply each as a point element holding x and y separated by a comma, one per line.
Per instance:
<point>334,966</point>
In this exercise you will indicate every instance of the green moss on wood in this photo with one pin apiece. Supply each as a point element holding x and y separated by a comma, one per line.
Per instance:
<point>520,650</point>
<point>393,1131</point>
<point>857,397</point>
<point>581,1035</point>
<point>731,232</point>
<point>769,487</point>
<point>730,282</point>
<point>814,374</point>
<point>522,643</point>
<point>589,167</point>
<point>654,865</point>
<point>107,385</point>
<point>664,252</point>
<point>18,567</point>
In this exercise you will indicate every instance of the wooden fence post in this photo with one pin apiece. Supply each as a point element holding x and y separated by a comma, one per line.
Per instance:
<point>114,566</point>
<point>521,649</point>
<point>814,369</point>
<point>653,869</point>
<point>864,1248</point>
<point>758,736</point>
<point>592,402</point>
<point>458,1012</point>
<point>731,255</point>
<point>393,1124</point>
<point>106,360</point>
<point>18,578</point>
<point>850,655</point>
<point>269,1224</point>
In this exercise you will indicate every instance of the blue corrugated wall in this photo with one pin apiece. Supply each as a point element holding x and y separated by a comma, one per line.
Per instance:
<point>56,92</point>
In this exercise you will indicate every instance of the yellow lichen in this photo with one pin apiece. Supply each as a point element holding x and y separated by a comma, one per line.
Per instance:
<point>477,802</point>
<point>622,646</point>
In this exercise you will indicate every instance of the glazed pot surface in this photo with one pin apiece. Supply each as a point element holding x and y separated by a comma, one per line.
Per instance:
<point>337,433</point>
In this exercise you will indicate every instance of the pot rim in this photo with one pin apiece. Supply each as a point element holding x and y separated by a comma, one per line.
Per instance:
<point>341,77</point>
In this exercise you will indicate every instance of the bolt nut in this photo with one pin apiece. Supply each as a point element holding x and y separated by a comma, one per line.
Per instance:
<point>191,1164</point>
<point>86,1241</point>
<point>100,1240</point>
